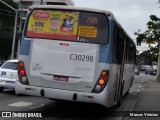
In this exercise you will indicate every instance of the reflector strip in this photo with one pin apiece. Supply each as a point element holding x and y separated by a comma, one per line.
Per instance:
<point>64,44</point>
<point>90,97</point>
<point>28,88</point>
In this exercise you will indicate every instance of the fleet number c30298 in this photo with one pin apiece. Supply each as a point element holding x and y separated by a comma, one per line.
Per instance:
<point>79,57</point>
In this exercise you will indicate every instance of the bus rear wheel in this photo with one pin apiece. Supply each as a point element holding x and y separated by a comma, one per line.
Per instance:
<point>1,89</point>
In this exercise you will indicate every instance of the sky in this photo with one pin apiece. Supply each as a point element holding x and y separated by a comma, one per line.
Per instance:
<point>131,14</point>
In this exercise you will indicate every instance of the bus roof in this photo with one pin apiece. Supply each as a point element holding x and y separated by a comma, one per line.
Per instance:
<point>74,8</point>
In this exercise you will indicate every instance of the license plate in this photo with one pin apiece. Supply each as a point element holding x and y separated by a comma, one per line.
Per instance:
<point>60,78</point>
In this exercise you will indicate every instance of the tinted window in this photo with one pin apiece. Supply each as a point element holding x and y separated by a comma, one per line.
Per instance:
<point>10,65</point>
<point>115,44</point>
<point>75,26</point>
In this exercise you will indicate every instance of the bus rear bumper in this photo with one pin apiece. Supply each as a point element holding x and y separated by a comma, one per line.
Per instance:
<point>62,94</point>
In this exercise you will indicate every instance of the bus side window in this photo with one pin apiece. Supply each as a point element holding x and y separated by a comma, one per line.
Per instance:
<point>120,47</point>
<point>115,44</point>
<point>127,52</point>
<point>118,44</point>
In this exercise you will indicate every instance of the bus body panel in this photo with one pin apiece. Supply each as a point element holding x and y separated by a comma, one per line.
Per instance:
<point>82,75</point>
<point>74,60</point>
<point>128,77</point>
<point>59,94</point>
<point>63,61</point>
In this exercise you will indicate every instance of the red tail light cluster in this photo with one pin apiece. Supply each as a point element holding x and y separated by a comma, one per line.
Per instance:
<point>101,82</point>
<point>22,73</point>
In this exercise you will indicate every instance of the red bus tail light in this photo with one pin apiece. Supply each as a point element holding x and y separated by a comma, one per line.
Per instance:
<point>22,73</point>
<point>101,82</point>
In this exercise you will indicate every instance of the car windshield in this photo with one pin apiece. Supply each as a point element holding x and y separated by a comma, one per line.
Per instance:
<point>10,65</point>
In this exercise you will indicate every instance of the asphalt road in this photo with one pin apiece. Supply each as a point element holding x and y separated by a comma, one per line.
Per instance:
<point>11,102</point>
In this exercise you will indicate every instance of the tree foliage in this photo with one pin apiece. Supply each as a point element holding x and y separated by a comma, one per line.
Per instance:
<point>153,30</point>
<point>152,34</point>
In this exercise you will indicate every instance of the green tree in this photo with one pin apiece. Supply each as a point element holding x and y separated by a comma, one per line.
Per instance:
<point>152,34</point>
<point>154,52</point>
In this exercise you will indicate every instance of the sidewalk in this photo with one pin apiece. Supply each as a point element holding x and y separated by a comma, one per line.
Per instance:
<point>149,100</point>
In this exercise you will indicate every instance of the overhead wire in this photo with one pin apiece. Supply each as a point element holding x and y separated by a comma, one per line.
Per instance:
<point>7,11</point>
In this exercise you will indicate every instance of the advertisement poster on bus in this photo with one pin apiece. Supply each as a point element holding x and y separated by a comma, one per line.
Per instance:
<point>53,24</point>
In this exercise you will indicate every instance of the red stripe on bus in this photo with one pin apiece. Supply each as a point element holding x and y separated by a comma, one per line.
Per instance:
<point>51,36</point>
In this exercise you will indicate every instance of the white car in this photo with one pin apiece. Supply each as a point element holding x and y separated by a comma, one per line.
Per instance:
<point>8,74</point>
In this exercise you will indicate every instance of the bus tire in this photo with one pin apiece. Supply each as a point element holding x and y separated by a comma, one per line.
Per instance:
<point>1,89</point>
<point>119,103</point>
<point>127,92</point>
<point>20,94</point>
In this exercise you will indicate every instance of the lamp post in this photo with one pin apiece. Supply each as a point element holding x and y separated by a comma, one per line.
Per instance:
<point>158,66</point>
<point>14,35</point>
<point>15,24</point>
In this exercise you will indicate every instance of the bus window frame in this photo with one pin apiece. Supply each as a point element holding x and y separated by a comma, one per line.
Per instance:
<point>28,16</point>
<point>120,35</point>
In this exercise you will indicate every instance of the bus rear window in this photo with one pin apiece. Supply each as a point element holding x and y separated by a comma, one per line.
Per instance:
<point>68,25</point>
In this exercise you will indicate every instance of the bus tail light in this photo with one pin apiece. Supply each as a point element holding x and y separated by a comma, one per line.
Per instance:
<point>22,73</point>
<point>20,65</point>
<point>101,82</point>
<point>104,74</point>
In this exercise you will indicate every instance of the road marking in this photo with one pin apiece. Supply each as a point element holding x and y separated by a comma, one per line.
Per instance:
<point>20,104</point>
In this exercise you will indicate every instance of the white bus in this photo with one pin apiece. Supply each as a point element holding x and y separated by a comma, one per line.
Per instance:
<point>75,54</point>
